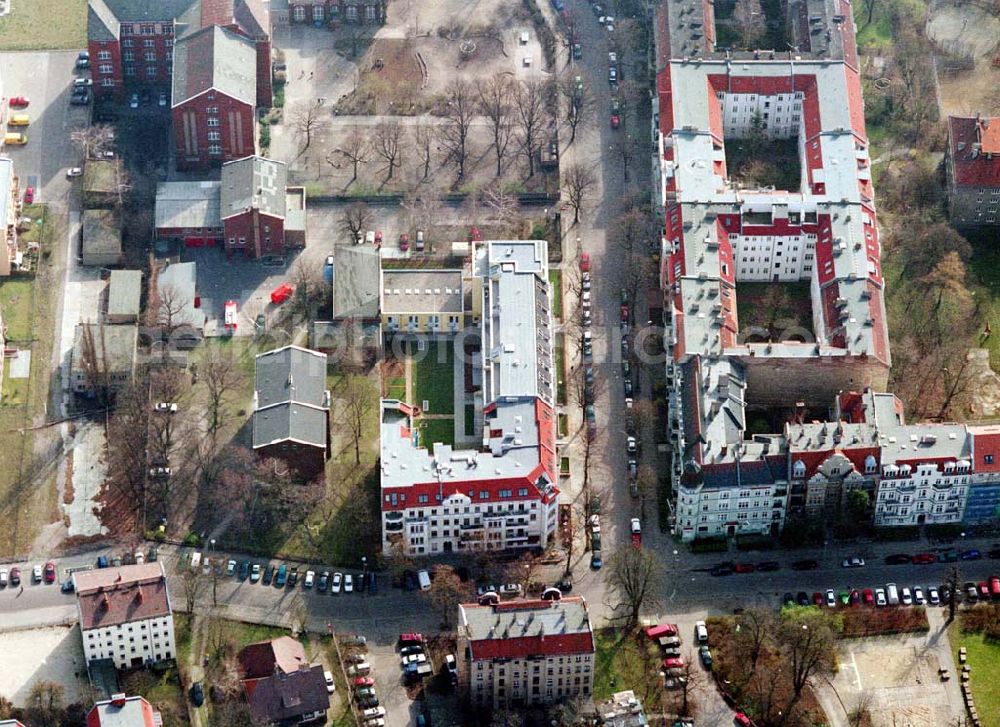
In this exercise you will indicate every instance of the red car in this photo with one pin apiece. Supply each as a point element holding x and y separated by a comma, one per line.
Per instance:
<point>818,598</point>
<point>585,262</point>
<point>615,121</point>
<point>50,572</point>
<point>742,720</point>
<point>869,597</point>
<point>404,241</point>
<point>743,568</point>
<point>673,662</point>
<point>378,237</point>
<point>410,639</point>
<point>282,293</point>
<point>924,559</point>
<point>984,590</point>
<point>29,195</point>
<point>19,101</point>
<point>363,682</point>
<point>625,314</point>
<point>995,587</point>
<point>475,235</point>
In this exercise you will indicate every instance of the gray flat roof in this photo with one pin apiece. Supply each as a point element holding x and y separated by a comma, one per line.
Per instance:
<point>356,271</point>
<point>421,291</point>
<point>102,232</point>
<point>183,278</point>
<point>124,292</point>
<point>253,183</point>
<point>290,399</point>
<point>117,342</point>
<point>188,204</point>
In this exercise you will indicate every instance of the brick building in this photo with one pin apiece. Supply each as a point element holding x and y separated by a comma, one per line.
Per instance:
<point>261,216</point>
<point>281,685</point>
<point>972,162</point>
<point>525,652</point>
<point>329,12</point>
<point>291,409</point>
<point>214,97</point>
<point>131,42</point>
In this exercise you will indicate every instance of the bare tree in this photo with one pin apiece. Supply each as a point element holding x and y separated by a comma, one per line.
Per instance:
<point>423,210</point>
<point>310,289</point>
<point>636,579</point>
<point>808,642</point>
<point>93,141</point>
<point>423,141</point>
<point>388,134</point>
<point>749,18</point>
<point>870,13</point>
<point>459,110</point>
<point>502,207</point>
<point>94,362</point>
<point>580,104</point>
<point>356,217</point>
<point>357,404</point>
<point>357,149</point>
<point>756,626</point>
<point>45,703</point>
<point>192,584</point>
<point>529,107</point>
<point>166,311</point>
<point>524,571</point>
<point>692,680</point>
<point>496,104</point>
<point>446,592</point>
<point>223,376</point>
<point>307,119</point>
<point>578,182</point>
<point>127,429</point>
<point>954,584</point>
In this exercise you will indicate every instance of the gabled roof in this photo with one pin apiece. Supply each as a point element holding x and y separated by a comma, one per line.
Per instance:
<point>122,711</point>
<point>102,24</point>
<point>215,58</point>
<point>261,659</point>
<point>290,400</point>
<point>104,16</point>
<point>282,700</point>
<point>522,628</point>
<point>253,183</point>
<point>111,596</point>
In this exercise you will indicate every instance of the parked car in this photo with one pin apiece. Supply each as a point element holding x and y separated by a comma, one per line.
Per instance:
<point>768,565</point>
<point>970,591</point>
<point>744,568</point>
<point>29,195</point>
<point>50,572</point>
<point>15,576</point>
<point>924,559</point>
<point>595,560</point>
<point>83,59</point>
<point>162,101</point>
<point>511,589</point>
<point>918,596</point>
<point>420,241</point>
<point>348,583</point>
<point>328,678</point>
<point>705,654</point>
<point>970,554</point>
<point>722,569</point>
<point>255,573</point>
<point>74,172</point>
<point>4,577</point>
<point>231,568</point>
<point>404,241</point>
<point>268,574</point>
<point>337,583</point>
<point>133,101</point>
<point>310,579</point>
<point>197,694</point>
<point>831,598</point>
<point>360,682</point>
<point>36,574</point>
<point>854,561</point>
<point>898,559</point>
<point>673,662</point>
<point>802,598</point>
<point>281,576</point>
<point>807,564</point>
<point>905,596</point>
<point>324,582</point>
<point>700,632</point>
<point>102,561</point>
<point>585,262</point>
<point>880,599</point>
<point>19,101</point>
<point>933,596</point>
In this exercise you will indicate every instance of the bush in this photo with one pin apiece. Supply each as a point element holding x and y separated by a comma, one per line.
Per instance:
<point>754,542</point>
<point>883,621</point>
<point>710,545</point>
<point>191,540</point>
<point>265,136</point>
<point>984,617</point>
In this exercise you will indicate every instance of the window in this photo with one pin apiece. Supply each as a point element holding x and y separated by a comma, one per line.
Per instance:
<point>213,120</point>
<point>104,55</point>
<point>988,459</point>
<point>147,29</point>
<point>298,14</point>
<point>484,494</point>
<point>128,56</point>
<point>214,136</point>
<point>150,56</point>
<point>149,43</point>
<point>126,29</point>
<point>150,70</point>
<point>105,68</point>
<point>215,149</point>
<point>212,110</point>
<point>318,13</point>
<point>127,43</point>
<point>129,69</point>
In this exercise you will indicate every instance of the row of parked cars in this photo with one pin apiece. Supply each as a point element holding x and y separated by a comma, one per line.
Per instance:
<point>893,595</point>
<point>285,576</point>
<point>39,574</point>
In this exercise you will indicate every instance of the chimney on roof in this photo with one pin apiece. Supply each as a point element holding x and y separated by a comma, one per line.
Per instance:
<point>105,602</point>
<point>118,700</point>
<point>138,594</point>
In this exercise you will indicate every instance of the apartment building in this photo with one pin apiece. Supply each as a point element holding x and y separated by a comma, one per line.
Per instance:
<point>125,615</point>
<point>416,300</point>
<point>123,711</point>
<point>329,12</point>
<point>972,163</point>
<point>525,652</point>
<point>502,494</point>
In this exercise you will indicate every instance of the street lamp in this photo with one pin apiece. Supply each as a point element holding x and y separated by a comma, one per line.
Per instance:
<point>211,544</point>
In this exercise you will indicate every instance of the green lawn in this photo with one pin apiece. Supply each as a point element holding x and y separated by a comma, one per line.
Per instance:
<point>878,33</point>
<point>395,388</point>
<point>984,658</point>
<point>15,391</point>
<point>163,690</point>
<point>555,280</point>
<point>45,25</point>
<point>622,662</point>
<point>16,306</point>
<point>434,377</point>
<point>433,431</point>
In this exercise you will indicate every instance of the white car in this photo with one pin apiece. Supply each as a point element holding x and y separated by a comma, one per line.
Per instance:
<point>348,583</point>
<point>451,665</point>
<point>511,589</point>
<point>374,722</point>
<point>338,579</point>
<point>374,712</point>
<point>831,598</point>
<point>854,561</point>
<point>74,172</point>
<point>3,576</point>
<point>635,525</point>
<point>880,599</point>
<point>413,659</point>
<point>918,596</point>
<point>933,597</point>
<point>612,57</point>
<point>36,574</point>
<point>310,579</point>
<point>255,573</point>
<point>328,678</point>
<point>905,596</point>
<point>139,557</point>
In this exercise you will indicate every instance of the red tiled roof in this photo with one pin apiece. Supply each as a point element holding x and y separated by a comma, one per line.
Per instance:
<point>525,646</point>
<point>112,596</point>
<point>122,712</point>
<point>259,660</point>
<point>972,168</point>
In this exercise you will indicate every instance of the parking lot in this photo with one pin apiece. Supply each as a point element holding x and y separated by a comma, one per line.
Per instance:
<point>45,79</point>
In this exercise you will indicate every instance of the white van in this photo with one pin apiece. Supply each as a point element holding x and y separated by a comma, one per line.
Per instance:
<point>424,578</point>
<point>892,595</point>
<point>360,670</point>
<point>701,632</point>
<point>195,560</point>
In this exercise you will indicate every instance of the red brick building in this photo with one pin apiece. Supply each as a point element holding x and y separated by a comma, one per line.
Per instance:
<point>131,42</point>
<point>214,97</point>
<point>261,216</point>
<point>329,12</point>
<point>972,162</point>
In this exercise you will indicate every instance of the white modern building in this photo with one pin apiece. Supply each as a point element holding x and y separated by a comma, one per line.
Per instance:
<point>503,494</point>
<point>125,615</point>
<point>525,652</point>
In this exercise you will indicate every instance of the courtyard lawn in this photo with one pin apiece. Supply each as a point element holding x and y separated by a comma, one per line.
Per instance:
<point>984,658</point>
<point>623,662</point>
<point>45,25</point>
<point>16,304</point>
<point>395,388</point>
<point>560,356</point>
<point>434,431</point>
<point>781,308</point>
<point>433,374</point>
